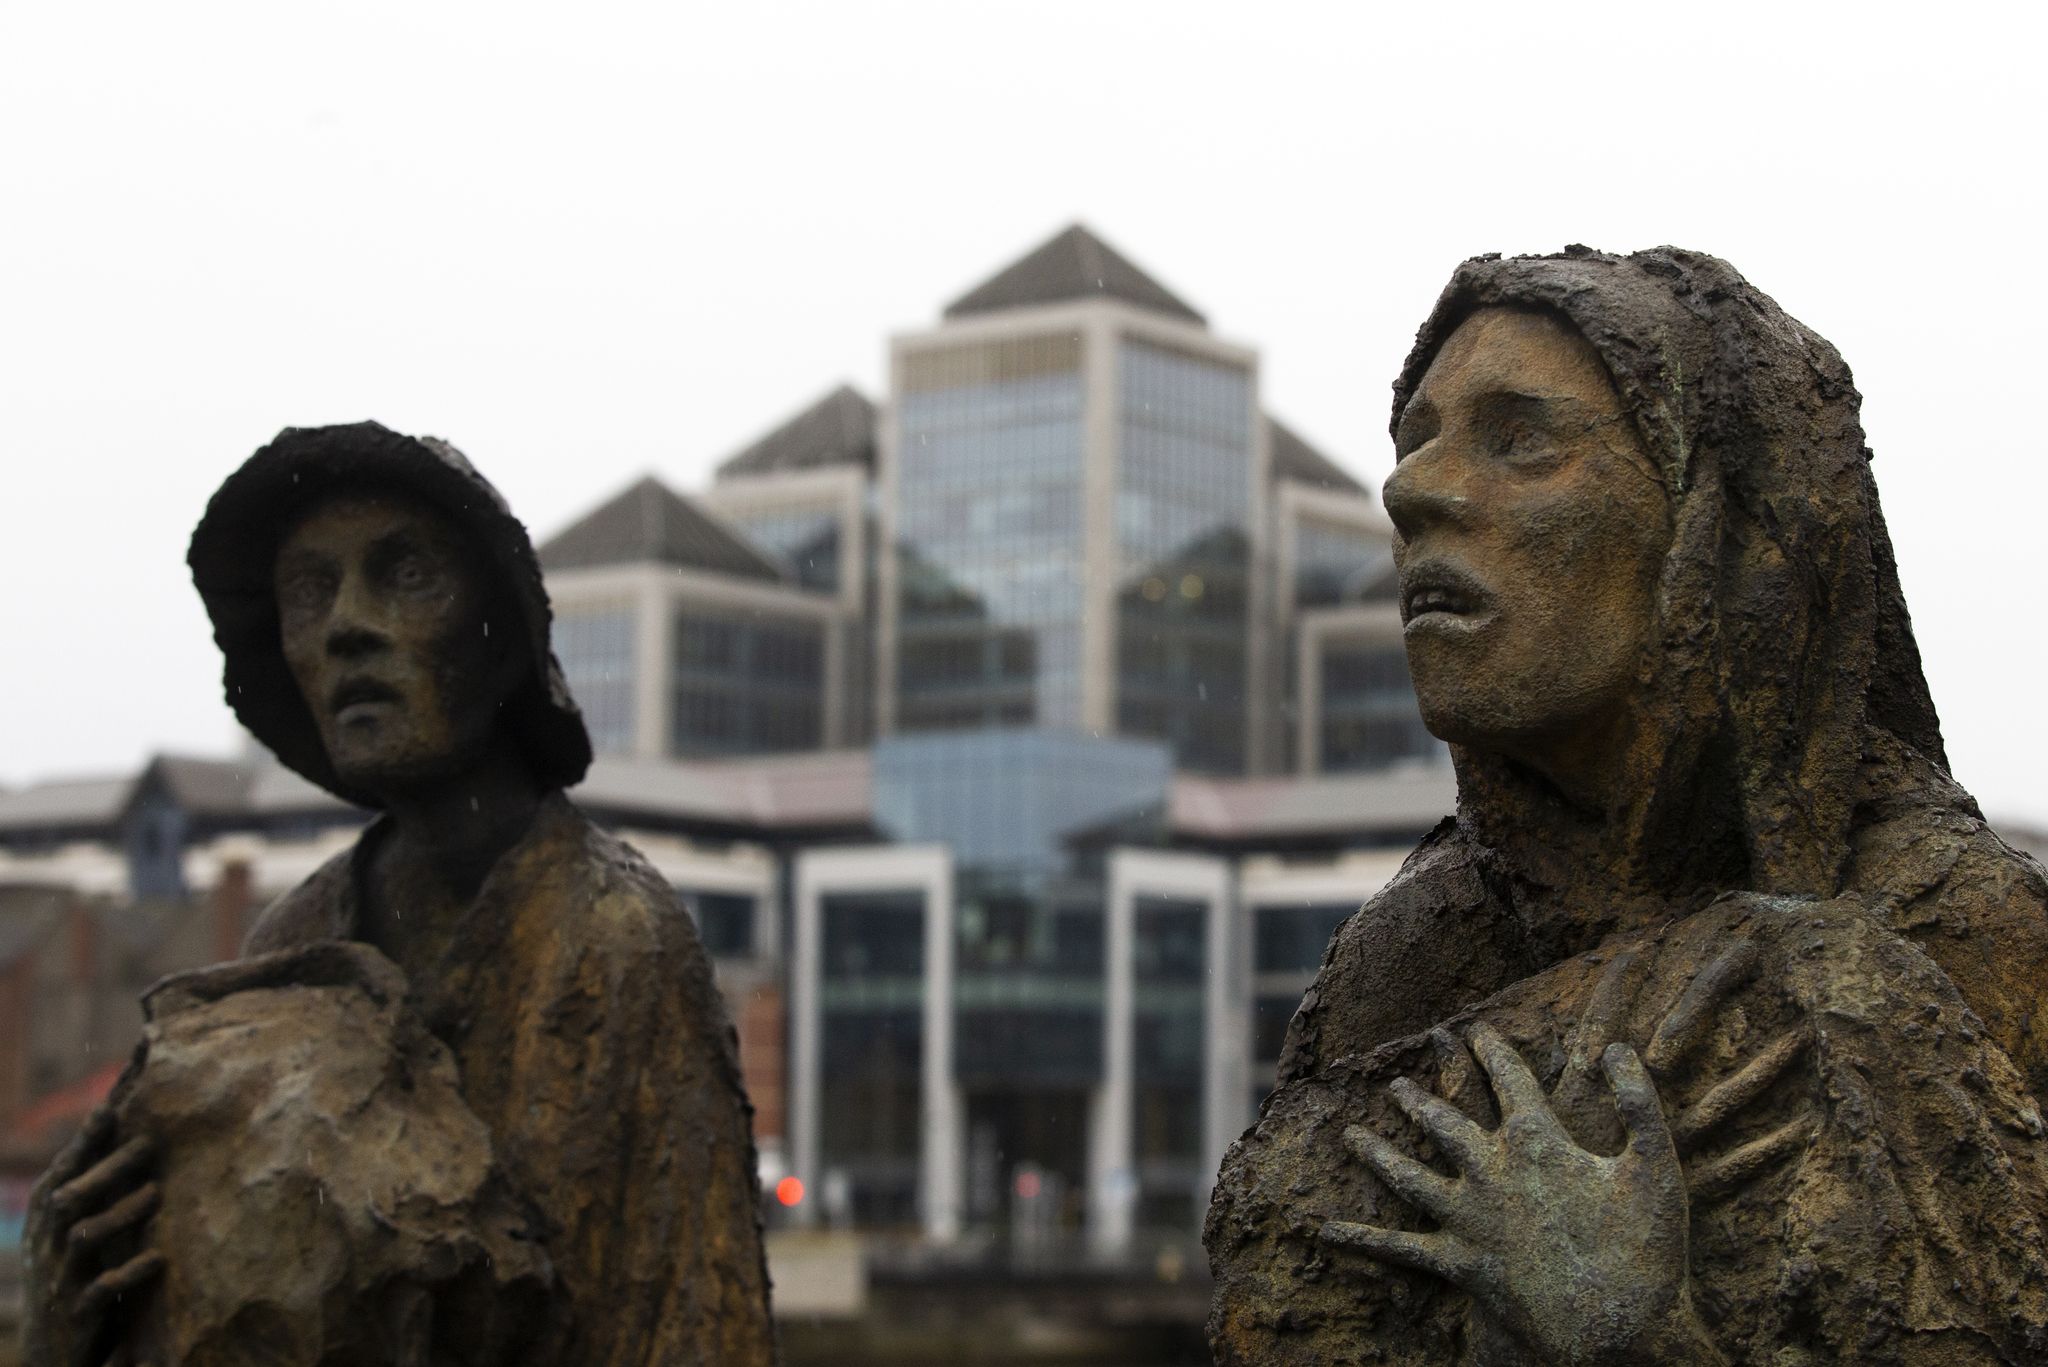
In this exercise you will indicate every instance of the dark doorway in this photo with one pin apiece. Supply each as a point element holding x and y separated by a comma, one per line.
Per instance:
<point>1027,1156</point>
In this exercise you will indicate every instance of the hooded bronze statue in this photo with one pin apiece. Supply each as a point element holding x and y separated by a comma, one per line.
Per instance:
<point>1707,1030</point>
<point>471,1095</point>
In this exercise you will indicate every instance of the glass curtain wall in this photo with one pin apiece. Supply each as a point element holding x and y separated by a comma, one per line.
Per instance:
<point>1169,968</point>
<point>807,540</point>
<point>725,921</point>
<point>1370,717</point>
<point>990,536</point>
<point>1338,564</point>
<point>1183,519</point>
<point>1287,950</point>
<point>871,998</point>
<point>745,685</point>
<point>595,646</point>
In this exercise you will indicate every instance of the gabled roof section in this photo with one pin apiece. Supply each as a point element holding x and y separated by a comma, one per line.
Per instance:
<point>651,522</point>
<point>66,802</point>
<point>1074,264</point>
<point>202,787</point>
<point>838,429</point>
<point>1295,459</point>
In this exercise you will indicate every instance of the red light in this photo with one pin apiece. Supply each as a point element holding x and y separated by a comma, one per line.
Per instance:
<point>789,1190</point>
<point>1027,1185</point>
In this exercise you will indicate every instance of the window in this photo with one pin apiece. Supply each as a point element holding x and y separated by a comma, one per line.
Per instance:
<point>990,535</point>
<point>725,922</point>
<point>1183,519</point>
<point>596,648</point>
<point>744,686</point>
<point>1370,718</point>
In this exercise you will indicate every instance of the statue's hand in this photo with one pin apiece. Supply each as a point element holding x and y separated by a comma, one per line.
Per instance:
<point>86,1259</point>
<point>1580,1256</point>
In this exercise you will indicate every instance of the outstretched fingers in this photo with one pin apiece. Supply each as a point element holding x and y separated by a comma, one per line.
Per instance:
<point>87,1236</point>
<point>1642,1114</point>
<point>1427,1191</point>
<point>1453,1132</point>
<point>1441,1255</point>
<point>1604,1019</point>
<point>1739,1167</point>
<point>133,1275</point>
<point>1732,1093</point>
<point>1681,1031</point>
<point>1519,1091</point>
<point>106,1178</point>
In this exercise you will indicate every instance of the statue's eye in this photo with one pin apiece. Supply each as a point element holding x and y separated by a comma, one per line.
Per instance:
<point>305,591</point>
<point>1521,442</point>
<point>411,572</point>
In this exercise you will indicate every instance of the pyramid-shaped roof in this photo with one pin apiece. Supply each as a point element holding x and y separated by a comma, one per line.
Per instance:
<point>1295,459</point>
<point>838,429</point>
<point>1074,264</point>
<point>651,522</point>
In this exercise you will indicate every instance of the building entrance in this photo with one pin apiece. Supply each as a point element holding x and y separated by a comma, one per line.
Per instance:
<point>1027,1158</point>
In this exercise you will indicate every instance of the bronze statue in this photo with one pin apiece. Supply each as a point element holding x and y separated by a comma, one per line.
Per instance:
<point>1707,1030</point>
<point>489,1026</point>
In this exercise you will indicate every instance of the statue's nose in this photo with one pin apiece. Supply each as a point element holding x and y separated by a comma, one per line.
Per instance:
<point>353,628</point>
<point>1425,491</point>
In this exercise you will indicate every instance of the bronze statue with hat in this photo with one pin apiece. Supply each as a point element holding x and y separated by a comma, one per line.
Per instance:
<point>470,1095</point>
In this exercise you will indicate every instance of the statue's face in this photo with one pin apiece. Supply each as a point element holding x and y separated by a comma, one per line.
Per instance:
<point>382,612</point>
<point>1531,527</point>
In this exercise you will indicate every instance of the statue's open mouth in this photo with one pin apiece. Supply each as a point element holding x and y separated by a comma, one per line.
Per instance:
<point>1440,588</point>
<point>355,692</point>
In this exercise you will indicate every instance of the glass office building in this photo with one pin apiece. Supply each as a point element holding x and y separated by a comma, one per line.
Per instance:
<point>1093,658</point>
<point>990,538</point>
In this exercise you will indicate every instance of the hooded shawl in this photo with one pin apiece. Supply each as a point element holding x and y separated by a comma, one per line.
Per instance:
<point>235,546</point>
<point>1788,758</point>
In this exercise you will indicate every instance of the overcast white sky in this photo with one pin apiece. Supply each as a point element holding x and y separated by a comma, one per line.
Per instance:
<point>586,242</point>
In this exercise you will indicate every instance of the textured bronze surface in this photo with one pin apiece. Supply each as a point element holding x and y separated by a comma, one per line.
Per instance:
<point>1706,1031</point>
<point>471,1096</point>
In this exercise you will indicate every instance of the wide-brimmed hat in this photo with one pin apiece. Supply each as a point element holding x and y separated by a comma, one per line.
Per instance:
<point>235,546</point>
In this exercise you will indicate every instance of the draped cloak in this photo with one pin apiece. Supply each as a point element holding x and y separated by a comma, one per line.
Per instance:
<point>1788,787</point>
<point>591,1042</point>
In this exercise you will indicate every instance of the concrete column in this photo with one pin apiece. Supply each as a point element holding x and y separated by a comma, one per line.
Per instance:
<point>805,1040</point>
<point>928,871</point>
<point>654,611</point>
<point>1308,657</point>
<point>1100,457</point>
<point>1112,1176</point>
<point>1226,1026</point>
<point>1112,1172</point>
<point>942,1170</point>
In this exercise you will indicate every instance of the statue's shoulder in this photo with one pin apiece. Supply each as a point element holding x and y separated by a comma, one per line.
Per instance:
<point>1435,939</point>
<point>611,903</point>
<point>320,908</point>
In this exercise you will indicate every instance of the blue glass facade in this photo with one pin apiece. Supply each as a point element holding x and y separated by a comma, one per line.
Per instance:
<point>805,540</point>
<point>745,684</point>
<point>1369,716</point>
<point>1339,564</point>
<point>595,647</point>
<point>1287,949</point>
<point>1183,553</point>
<point>1169,969</point>
<point>871,997</point>
<point>990,536</point>
<point>1013,803</point>
<point>1021,811</point>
